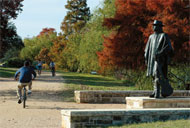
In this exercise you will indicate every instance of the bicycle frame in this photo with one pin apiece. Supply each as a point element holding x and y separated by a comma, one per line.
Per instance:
<point>53,71</point>
<point>24,96</point>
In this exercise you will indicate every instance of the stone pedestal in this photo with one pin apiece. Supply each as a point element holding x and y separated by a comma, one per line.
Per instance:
<point>118,96</point>
<point>146,102</point>
<point>99,118</point>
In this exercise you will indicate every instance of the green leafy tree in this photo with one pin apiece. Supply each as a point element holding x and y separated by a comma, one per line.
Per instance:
<point>92,40</point>
<point>34,45</point>
<point>76,17</point>
<point>12,39</point>
<point>9,9</point>
<point>70,53</point>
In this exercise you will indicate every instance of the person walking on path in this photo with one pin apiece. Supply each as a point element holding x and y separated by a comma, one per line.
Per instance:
<point>25,78</point>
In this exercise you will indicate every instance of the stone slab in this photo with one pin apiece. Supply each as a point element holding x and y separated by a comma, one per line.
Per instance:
<point>118,96</point>
<point>74,118</point>
<point>146,102</point>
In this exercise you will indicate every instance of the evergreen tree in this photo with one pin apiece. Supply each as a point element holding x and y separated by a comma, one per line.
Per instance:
<point>76,17</point>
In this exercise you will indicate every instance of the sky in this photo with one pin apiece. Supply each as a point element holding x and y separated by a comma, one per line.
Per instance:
<point>39,14</point>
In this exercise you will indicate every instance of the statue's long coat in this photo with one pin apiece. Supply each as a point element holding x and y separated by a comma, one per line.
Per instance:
<point>157,54</point>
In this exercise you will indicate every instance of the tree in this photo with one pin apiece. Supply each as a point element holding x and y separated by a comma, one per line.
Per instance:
<point>34,45</point>
<point>9,9</point>
<point>132,24</point>
<point>44,55</point>
<point>11,38</point>
<point>71,52</point>
<point>47,31</point>
<point>56,52</point>
<point>76,17</point>
<point>92,40</point>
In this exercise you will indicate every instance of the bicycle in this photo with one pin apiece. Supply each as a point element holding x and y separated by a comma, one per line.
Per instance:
<point>39,71</point>
<point>53,71</point>
<point>24,95</point>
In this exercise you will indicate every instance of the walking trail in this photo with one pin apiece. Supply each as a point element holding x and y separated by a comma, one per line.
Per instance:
<point>44,106</point>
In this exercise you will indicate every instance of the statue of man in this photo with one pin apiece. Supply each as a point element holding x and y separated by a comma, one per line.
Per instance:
<point>158,52</point>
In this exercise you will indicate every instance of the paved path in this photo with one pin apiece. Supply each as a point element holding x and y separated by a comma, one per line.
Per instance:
<point>43,108</point>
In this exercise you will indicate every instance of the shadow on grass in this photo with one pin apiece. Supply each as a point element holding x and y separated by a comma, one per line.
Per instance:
<point>94,81</point>
<point>7,72</point>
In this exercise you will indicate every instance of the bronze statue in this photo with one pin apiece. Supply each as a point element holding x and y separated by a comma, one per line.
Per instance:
<point>158,52</point>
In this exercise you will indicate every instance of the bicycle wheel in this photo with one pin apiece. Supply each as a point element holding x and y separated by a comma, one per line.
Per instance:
<point>53,73</point>
<point>24,98</point>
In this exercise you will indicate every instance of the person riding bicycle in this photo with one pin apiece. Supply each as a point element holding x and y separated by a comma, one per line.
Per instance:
<point>39,67</point>
<point>25,78</point>
<point>52,67</point>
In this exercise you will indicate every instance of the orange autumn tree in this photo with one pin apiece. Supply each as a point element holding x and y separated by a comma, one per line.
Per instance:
<point>44,55</point>
<point>56,51</point>
<point>46,31</point>
<point>45,41</point>
<point>132,24</point>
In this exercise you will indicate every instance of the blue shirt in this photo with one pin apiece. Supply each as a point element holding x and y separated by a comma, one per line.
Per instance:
<point>25,74</point>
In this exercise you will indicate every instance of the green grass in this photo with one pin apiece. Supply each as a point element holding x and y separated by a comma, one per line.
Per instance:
<point>159,124</point>
<point>80,81</point>
<point>7,72</point>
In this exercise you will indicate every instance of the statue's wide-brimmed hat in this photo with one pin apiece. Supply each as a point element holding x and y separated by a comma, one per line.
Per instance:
<point>158,23</point>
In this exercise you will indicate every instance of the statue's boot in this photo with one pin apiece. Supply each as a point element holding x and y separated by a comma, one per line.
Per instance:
<point>156,92</point>
<point>156,89</point>
<point>152,95</point>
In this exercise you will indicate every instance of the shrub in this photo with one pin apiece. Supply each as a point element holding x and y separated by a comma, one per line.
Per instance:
<point>15,62</point>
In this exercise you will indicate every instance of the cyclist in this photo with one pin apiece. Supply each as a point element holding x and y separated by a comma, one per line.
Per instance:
<point>25,78</point>
<point>52,67</point>
<point>39,67</point>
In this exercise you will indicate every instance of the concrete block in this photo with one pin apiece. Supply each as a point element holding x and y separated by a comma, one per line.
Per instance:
<point>74,118</point>
<point>118,96</point>
<point>146,102</point>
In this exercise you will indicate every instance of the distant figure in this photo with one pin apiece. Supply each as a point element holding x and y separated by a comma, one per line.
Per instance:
<point>39,67</point>
<point>52,67</point>
<point>25,78</point>
<point>158,52</point>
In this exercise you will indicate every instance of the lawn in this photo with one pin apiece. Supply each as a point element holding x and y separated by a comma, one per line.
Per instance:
<point>80,81</point>
<point>159,124</point>
<point>7,72</point>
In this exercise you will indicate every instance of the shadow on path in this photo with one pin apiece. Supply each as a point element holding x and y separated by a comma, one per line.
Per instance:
<point>42,96</point>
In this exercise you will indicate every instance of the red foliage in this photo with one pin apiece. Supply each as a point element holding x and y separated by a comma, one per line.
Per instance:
<point>47,31</point>
<point>57,48</point>
<point>133,24</point>
<point>44,55</point>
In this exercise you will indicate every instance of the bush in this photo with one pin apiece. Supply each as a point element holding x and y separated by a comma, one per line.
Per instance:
<point>15,62</point>
<point>179,78</point>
